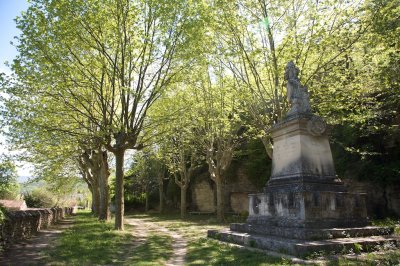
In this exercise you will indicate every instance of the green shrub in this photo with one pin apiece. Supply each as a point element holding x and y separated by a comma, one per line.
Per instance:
<point>39,198</point>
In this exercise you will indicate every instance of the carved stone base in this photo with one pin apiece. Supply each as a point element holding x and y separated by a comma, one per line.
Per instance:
<point>307,209</point>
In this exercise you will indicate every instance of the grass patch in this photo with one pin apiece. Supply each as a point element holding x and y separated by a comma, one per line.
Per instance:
<point>205,251</point>
<point>90,242</point>
<point>155,251</point>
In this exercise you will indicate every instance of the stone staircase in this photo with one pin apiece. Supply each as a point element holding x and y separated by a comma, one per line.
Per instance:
<point>338,241</point>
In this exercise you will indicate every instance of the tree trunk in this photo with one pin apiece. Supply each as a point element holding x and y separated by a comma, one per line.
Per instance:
<point>161,195</point>
<point>220,199</point>
<point>119,189</point>
<point>147,198</point>
<point>147,201</point>
<point>95,200</point>
<point>183,201</point>
<point>88,203</point>
<point>104,211</point>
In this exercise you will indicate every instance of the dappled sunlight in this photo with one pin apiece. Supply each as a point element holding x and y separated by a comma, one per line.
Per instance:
<point>156,250</point>
<point>92,242</point>
<point>204,251</point>
<point>212,252</point>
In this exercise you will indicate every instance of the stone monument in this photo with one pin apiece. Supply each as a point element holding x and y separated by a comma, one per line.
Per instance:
<point>304,208</point>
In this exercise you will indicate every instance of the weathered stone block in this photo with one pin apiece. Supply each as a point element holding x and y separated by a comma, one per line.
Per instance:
<point>239,202</point>
<point>203,195</point>
<point>298,153</point>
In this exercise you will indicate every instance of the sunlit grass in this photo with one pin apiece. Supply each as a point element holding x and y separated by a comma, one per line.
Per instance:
<point>90,242</point>
<point>205,251</point>
<point>155,251</point>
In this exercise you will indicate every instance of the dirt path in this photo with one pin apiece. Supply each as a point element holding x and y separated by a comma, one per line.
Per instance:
<point>143,227</point>
<point>30,251</point>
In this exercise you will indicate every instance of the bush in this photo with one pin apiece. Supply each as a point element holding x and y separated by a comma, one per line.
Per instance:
<point>39,198</point>
<point>9,188</point>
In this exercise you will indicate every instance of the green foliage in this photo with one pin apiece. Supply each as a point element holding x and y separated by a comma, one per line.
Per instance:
<point>58,191</point>
<point>173,192</point>
<point>256,162</point>
<point>358,248</point>
<point>253,159</point>
<point>9,187</point>
<point>365,156</point>
<point>360,95</point>
<point>92,72</point>
<point>141,179</point>
<point>387,222</point>
<point>40,198</point>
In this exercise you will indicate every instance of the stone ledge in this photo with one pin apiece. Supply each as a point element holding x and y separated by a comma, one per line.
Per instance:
<point>306,247</point>
<point>311,234</point>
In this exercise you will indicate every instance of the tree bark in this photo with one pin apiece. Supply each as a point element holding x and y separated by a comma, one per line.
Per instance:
<point>220,199</point>
<point>119,189</point>
<point>95,199</point>
<point>183,201</point>
<point>104,211</point>
<point>147,199</point>
<point>161,195</point>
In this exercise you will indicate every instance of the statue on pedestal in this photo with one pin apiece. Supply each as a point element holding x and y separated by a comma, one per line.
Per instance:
<point>304,201</point>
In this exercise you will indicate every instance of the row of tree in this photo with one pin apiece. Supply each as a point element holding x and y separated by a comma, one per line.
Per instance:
<point>188,81</point>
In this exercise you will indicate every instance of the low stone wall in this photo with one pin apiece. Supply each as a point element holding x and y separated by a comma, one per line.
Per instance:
<point>20,225</point>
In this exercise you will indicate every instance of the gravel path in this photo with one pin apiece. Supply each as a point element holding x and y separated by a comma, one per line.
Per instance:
<point>30,251</point>
<point>143,227</point>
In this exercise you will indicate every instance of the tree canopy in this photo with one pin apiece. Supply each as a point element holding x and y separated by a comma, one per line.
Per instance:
<point>194,79</point>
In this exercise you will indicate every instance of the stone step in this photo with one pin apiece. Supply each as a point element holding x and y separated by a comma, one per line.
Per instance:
<point>304,248</point>
<point>312,234</point>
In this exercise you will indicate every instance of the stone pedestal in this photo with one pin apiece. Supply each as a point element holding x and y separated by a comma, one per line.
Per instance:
<point>305,208</point>
<point>303,190</point>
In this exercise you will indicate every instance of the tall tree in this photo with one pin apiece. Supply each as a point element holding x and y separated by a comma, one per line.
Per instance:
<point>103,63</point>
<point>221,128</point>
<point>145,170</point>
<point>175,114</point>
<point>258,38</point>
